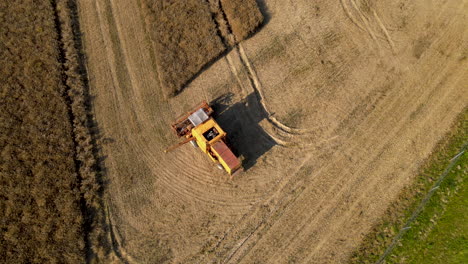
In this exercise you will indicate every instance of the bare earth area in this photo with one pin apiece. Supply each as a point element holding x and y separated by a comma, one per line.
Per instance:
<point>332,106</point>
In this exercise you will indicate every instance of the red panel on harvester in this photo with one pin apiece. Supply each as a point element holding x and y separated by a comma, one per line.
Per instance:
<point>226,154</point>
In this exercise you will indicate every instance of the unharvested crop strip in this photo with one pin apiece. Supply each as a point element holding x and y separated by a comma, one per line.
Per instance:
<point>62,59</point>
<point>244,17</point>
<point>185,37</point>
<point>222,23</point>
<point>191,35</point>
<point>44,219</point>
<point>84,133</point>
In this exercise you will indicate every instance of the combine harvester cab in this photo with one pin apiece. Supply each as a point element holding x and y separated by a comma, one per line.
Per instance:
<point>199,128</point>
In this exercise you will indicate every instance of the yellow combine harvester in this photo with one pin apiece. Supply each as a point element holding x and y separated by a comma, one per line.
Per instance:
<point>202,131</point>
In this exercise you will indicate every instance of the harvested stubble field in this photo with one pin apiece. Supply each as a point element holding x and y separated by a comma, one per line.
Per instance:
<point>332,105</point>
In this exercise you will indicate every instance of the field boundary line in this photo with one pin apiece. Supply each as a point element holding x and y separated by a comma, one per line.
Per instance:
<point>422,204</point>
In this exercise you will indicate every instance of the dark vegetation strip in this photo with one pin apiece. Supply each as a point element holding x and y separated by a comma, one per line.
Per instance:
<point>223,28</point>
<point>398,214</point>
<point>40,194</point>
<point>85,130</point>
<point>220,24</point>
<point>86,225</point>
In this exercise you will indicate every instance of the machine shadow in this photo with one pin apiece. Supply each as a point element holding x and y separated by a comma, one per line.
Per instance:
<point>240,120</point>
<point>265,11</point>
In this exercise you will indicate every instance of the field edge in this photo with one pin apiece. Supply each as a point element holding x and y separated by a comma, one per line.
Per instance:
<point>396,216</point>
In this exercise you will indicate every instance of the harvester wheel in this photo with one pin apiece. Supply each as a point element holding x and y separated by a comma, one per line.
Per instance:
<point>219,166</point>
<point>194,144</point>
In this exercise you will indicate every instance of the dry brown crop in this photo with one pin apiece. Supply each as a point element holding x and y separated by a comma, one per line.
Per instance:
<point>189,35</point>
<point>185,39</point>
<point>243,16</point>
<point>83,125</point>
<point>48,168</point>
<point>40,195</point>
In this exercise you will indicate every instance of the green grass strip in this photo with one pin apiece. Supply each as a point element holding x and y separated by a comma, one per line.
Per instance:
<point>426,210</point>
<point>440,233</point>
